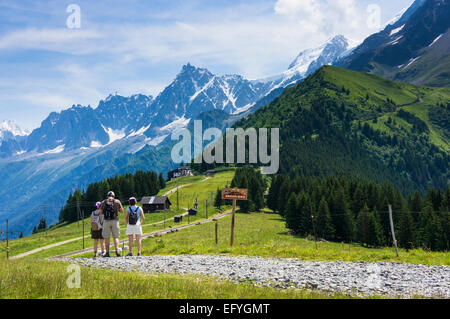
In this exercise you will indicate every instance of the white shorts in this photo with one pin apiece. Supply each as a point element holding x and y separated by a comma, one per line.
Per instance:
<point>134,229</point>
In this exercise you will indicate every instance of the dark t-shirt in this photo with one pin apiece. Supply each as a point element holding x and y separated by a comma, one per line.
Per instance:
<point>117,207</point>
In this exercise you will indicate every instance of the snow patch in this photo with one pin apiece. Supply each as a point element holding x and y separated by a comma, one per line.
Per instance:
<point>435,40</point>
<point>181,122</point>
<point>243,109</point>
<point>56,150</point>
<point>140,131</point>
<point>156,140</point>
<point>412,61</point>
<point>397,30</point>
<point>395,41</point>
<point>114,135</point>
<point>95,144</point>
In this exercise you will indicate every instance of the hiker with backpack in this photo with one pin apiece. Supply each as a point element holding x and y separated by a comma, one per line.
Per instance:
<point>96,229</point>
<point>134,217</point>
<point>110,209</point>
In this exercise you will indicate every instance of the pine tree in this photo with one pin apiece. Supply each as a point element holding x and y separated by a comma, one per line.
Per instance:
<point>324,224</point>
<point>218,201</point>
<point>293,218</point>
<point>274,191</point>
<point>363,226</point>
<point>343,221</point>
<point>306,215</point>
<point>406,231</point>
<point>162,181</point>
<point>374,231</point>
<point>283,196</point>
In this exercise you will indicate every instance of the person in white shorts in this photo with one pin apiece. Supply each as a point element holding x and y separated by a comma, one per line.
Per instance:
<point>134,217</point>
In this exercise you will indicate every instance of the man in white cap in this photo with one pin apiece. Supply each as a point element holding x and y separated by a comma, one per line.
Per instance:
<point>110,209</point>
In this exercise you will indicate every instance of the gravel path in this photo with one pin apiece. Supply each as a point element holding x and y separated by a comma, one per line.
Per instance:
<point>352,278</point>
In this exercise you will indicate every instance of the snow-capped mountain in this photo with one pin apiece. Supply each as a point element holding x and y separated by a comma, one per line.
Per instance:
<point>11,137</point>
<point>197,90</point>
<point>194,90</point>
<point>308,61</point>
<point>413,49</point>
<point>82,144</point>
<point>9,129</point>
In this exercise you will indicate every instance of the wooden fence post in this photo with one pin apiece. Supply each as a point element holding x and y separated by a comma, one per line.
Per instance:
<point>392,229</point>
<point>216,226</point>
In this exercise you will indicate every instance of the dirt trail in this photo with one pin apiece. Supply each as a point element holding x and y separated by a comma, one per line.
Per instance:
<point>34,251</point>
<point>152,234</point>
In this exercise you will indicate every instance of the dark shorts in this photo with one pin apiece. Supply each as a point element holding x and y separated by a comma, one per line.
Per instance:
<point>97,234</point>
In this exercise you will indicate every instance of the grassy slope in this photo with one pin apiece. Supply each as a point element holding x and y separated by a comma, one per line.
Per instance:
<point>257,234</point>
<point>45,279</point>
<point>414,99</point>
<point>197,186</point>
<point>265,234</point>
<point>65,231</point>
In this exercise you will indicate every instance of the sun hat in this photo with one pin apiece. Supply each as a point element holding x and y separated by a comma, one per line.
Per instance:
<point>98,204</point>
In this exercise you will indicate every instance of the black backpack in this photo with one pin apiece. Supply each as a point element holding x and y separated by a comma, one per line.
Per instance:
<point>109,211</point>
<point>133,216</point>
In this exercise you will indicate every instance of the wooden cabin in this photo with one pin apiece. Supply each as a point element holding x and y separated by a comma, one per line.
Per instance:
<point>155,203</point>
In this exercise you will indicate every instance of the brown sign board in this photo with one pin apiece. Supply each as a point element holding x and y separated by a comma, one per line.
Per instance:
<point>235,193</point>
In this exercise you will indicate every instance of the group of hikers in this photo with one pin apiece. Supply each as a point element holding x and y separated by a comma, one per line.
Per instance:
<point>105,221</point>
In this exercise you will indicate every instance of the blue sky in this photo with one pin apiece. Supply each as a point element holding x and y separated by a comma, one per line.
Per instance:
<point>136,46</point>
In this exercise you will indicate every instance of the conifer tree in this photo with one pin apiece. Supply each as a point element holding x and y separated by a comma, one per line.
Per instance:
<point>406,231</point>
<point>218,201</point>
<point>324,224</point>
<point>293,217</point>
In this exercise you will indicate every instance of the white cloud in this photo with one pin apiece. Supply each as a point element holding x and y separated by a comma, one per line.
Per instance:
<point>328,17</point>
<point>295,7</point>
<point>142,55</point>
<point>57,39</point>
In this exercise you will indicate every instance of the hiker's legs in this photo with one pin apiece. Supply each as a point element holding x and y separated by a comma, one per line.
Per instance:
<point>107,243</point>
<point>138,243</point>
<point>130,243</point>
<point>102,245</point>
<point>106,233</point>
<point>95,245</point>
<point>115,229</point>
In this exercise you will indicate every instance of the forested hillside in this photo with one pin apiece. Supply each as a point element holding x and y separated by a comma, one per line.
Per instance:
<point>341,122</point>
<point>343,209</point>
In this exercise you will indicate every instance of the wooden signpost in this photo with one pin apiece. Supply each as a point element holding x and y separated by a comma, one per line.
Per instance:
<point>234,194</point>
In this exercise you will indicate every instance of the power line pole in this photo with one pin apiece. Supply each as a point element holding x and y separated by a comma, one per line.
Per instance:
<point>314,228</point>
<point>83,228</point>
<point>78,214</point>
<point>7,240</point>
<point>206,207</point>
<point>45,220</point>
<point>392,229</point>
<point>216,226</point>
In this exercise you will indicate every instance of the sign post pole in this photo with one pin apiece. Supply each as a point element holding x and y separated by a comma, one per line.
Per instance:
<point>233,213</point>
<point>7,240</point>
<point>234,194</point>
